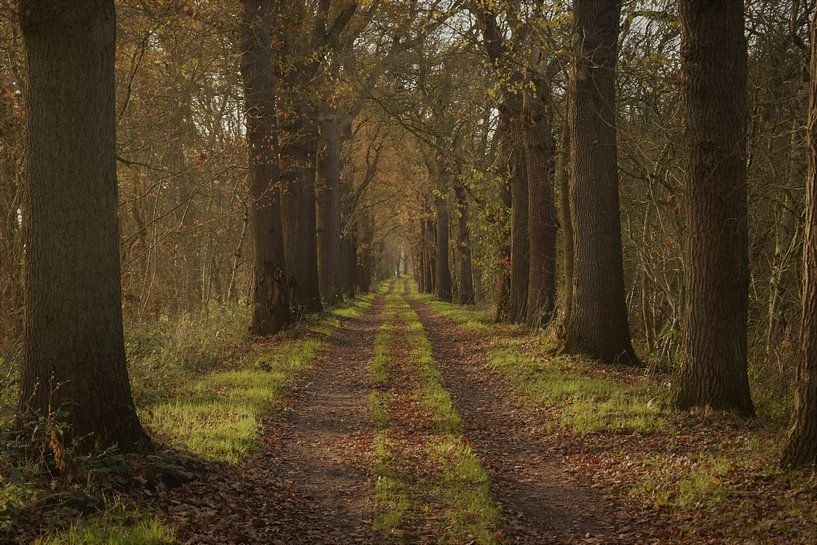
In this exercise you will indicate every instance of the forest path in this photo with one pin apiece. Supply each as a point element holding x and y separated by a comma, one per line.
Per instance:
<point>309,483</point>
<point>540,502</point>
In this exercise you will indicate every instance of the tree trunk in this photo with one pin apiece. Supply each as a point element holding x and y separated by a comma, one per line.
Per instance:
<point>566,220</point>
<point>430,253</point>
<point>466,286</point>
<point>421,263</point>
<point>328,201</point>
<point>542,224</point>
<point>598,320</point>
<point>520,251</point>
<point>365,251</point>
<point>442,283</point>
<point>298,151</point>
<point>801,447</point>
<point>271,311</point>
<point>505,152</point>
<point>713,357</point>
<point>347,266</point>
<point>73,368</point>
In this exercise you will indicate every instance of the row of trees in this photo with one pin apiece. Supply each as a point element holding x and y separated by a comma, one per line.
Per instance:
<point>306,214</point>
<point>543,135</point>
<point>713,68</point>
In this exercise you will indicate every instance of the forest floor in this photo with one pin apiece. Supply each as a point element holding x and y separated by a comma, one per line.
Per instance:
<point>401,419</point>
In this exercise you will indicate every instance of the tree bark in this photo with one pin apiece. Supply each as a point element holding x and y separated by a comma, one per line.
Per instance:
<point>442,284</point>
<point>466,283</point>
<point>73,369</point>
<point>328,202</point>
<point>347,268</point>
<point>505,152</point>
<point>421,258</point>
<point>270,298</point>
<point>801,447</point>
<point>540,152</point>
<point>365,251</point>
<point>520,250</point>
<point>430,253</point>
<point>298,213</point>
<point>566,302</point>
<point>598,321</point>
<point>714,65</point>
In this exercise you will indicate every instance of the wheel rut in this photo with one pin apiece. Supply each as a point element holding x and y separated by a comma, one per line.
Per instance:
<point>539,501</point>
<point>309,483</point>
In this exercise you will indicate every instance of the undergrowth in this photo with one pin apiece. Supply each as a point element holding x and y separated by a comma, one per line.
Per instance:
<point>713,472</point>
<point>201,389</point>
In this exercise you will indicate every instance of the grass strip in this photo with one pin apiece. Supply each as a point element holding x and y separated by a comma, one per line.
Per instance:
<point>461,485</point>
<point>200,386</point>
<point>391,497</point>
<point>586,399</point>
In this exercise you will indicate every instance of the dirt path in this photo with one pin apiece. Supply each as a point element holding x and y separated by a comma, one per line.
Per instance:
<point>539,501</point>
<point>309,484</point>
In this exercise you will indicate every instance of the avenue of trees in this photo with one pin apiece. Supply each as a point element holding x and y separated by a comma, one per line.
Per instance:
<point>636,179</point>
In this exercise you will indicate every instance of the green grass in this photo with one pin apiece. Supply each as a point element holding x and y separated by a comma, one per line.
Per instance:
<point>218,416</point>
<point>585,401</point>
<point>461,485</point>
<point>392,497</point>
<point>454,492</point>
<point>116,526</point>
<point>199,385</point>
<point>698,484</point>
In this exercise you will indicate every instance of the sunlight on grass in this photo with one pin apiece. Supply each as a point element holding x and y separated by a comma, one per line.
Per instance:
<point>695,484</point>
<point>586,403</point>
<point>462,484</point>
<point>218,415</point>
<point>116,526</point>
<point>391,497</point>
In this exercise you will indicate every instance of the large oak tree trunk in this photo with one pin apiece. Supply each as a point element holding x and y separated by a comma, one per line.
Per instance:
<point>430,245</point>
<point>73,366</point>
<point>566,301</point>
<point>714,65</point>
<point>505,164</point>
<point>328,203</point>
<point>466,282</point>
<point>298,151</point>
<point>348,252</point>
<point>442,282</point>
<point>365,250</point>
<point>801,447</point>
<point>598,321</point>
<point>540,151</point>
<point>520,250</point>
<point>269,295</point>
